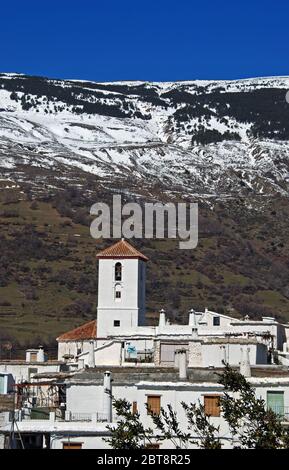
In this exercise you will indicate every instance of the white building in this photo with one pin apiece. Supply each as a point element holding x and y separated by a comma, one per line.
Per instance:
<point>157,365</point>
<point>121,290</point>
<point>89,407</point>
<point>119,335</point>
<point>35,362</point>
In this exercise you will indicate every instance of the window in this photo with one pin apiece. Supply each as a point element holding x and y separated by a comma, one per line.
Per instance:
<point>2,384</point>
<point>33,357</point>
<point>72,445</point>
<point>117,272</point>
<point>168,351</point>
<point>275,402</point>
<point>134,407</point>
<point>31,372</point>
<point>212,405</point>
<point>117,292</point>
<point>154,404</point>
<point>216,321</point>
<point>116,323</point>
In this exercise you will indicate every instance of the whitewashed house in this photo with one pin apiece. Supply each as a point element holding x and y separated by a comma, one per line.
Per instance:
<point>36,361</point>
<point>154,365</point>
<point>89,407</point>
<point>119,335</point>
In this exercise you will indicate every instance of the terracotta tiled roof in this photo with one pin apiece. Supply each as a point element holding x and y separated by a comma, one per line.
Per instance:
<point>86,331</point>
<point>121,249</point>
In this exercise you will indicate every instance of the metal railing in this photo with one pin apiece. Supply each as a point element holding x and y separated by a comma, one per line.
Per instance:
<point>80,417</point>
<point>143,357</point>
<point>86,417</point>
<point>57,415</point>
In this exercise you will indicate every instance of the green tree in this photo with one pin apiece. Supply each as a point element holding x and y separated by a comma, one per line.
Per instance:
<point>167,427</point>
<point>247,416</point>
<point>199,422</point>
<point>129,432</point>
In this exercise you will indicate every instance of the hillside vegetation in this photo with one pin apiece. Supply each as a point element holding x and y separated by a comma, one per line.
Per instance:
<point>48,270</point>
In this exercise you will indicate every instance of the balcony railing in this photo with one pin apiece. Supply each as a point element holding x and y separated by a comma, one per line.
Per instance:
<point>79,417</point>
<point>85,417</point>
<point>141,357</point>
<point>39,414</point>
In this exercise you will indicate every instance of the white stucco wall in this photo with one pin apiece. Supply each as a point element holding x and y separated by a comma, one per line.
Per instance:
<point>129,310</point>
<point>20,371</point>
<point>213,354</point>
<point>71,348</point>
<point>109,354</point>
<point>87,442</point>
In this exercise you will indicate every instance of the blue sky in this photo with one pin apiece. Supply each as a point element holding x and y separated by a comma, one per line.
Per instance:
<point>145,40</point>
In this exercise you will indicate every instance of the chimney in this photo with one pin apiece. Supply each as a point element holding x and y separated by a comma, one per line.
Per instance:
<point>27,355</point>
<point>182,362</point>
<point>245,368</point>
<point>162,318</point>
<point>40,354</point>
<point>91,358</point>
<point>192,318</point>
<point>223,354</point>
<point>107,396</point>
<point>176,360</point>
<point>195,334</point>
<point>80,363</point>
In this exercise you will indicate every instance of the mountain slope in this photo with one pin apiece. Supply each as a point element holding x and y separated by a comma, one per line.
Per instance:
<point>67,144</point>
<point>218,138</point>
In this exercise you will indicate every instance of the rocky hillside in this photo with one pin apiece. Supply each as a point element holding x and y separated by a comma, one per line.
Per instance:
<point>210,138</point>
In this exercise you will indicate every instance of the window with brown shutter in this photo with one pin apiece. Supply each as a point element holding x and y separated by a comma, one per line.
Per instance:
<point>154,404</point>
<point>72,445</point>
<point>33,357</point>
<point>152,446</point>
<point>134,407</point>
<point>212,405</point>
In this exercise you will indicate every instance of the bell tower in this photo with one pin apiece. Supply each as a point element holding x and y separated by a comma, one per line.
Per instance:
<point>121,289</point>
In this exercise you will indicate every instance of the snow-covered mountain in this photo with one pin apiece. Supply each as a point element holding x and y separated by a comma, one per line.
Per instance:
<point>213,138</point>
